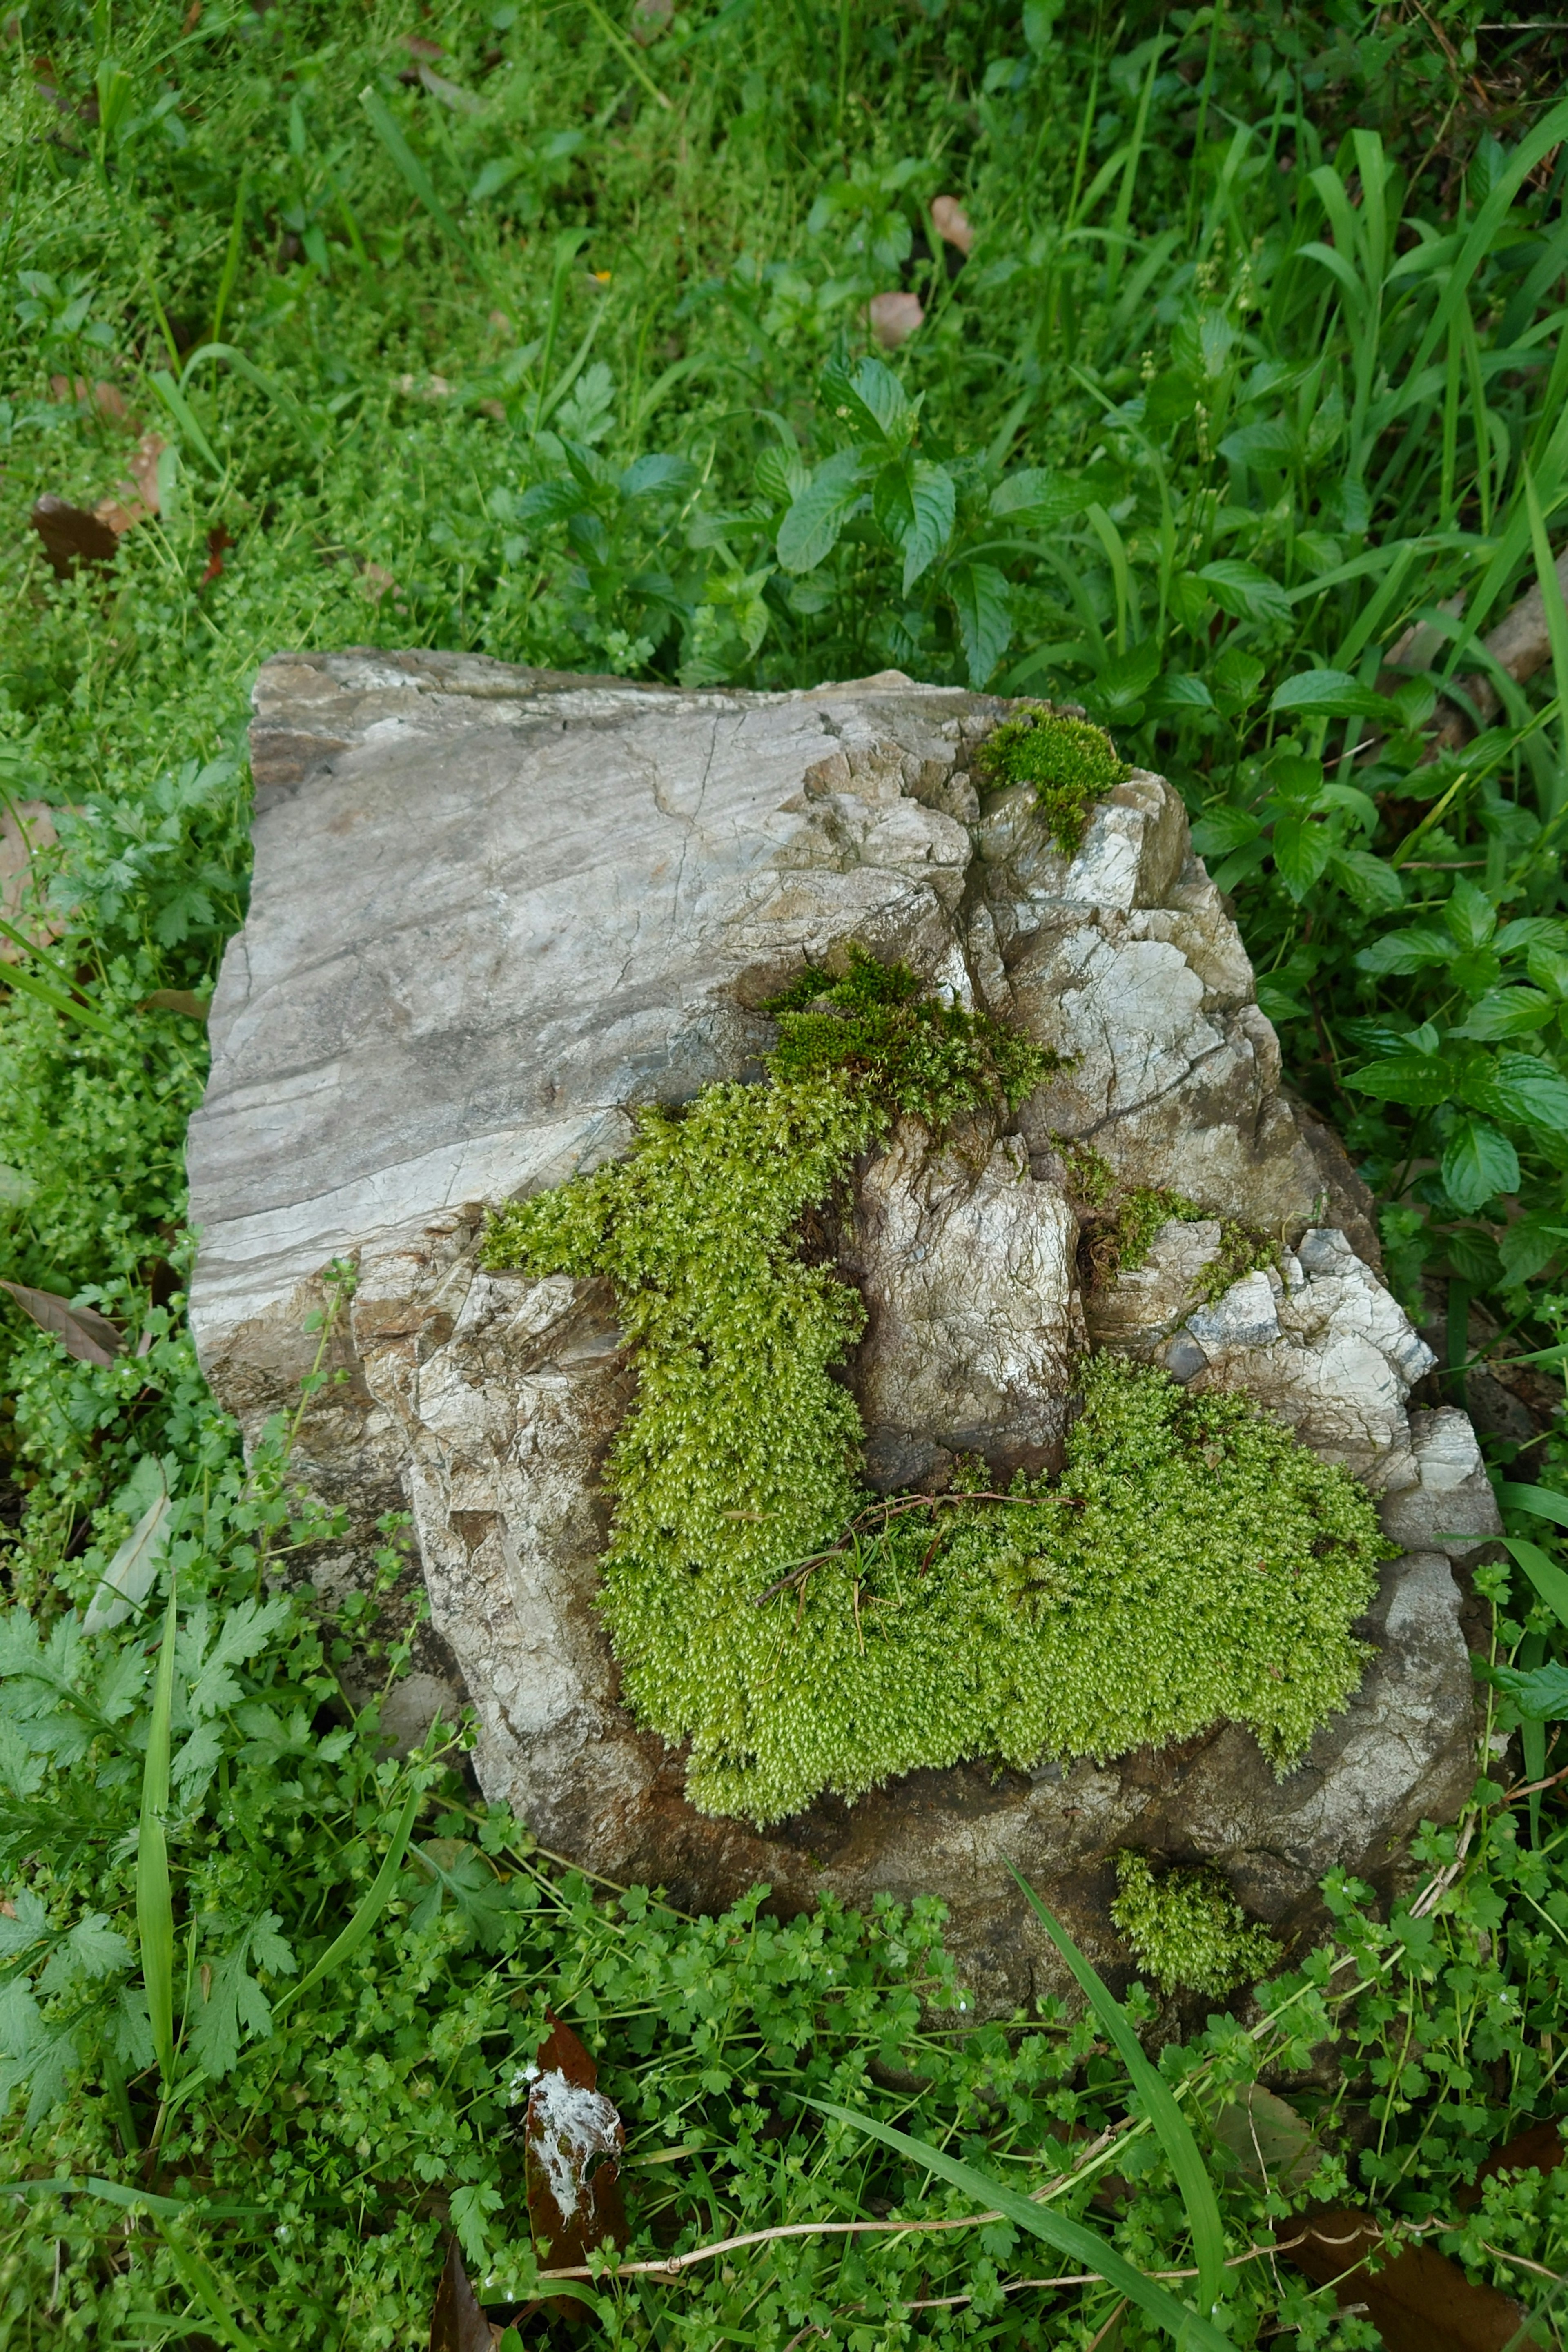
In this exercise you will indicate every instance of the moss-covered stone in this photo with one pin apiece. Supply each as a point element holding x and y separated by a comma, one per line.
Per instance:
<point>1191,1563</point>
<point>1070,763</point>
<point>1188,1931</point>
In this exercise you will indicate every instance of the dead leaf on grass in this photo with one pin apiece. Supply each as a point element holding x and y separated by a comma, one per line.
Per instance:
<point>26,827</point>
<point>952,222</point>
<point>84,1333</point>
<point>1418,2302</point>
<point>417,47</point>
<point>895,318</point>
<point>572,2139</point>
<point>106,398</point>
<point>71,536</point>
<point>456,2323</point>
<point>176,1000</point>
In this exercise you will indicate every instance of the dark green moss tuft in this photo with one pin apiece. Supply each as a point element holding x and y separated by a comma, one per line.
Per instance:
<point>1070,763</point>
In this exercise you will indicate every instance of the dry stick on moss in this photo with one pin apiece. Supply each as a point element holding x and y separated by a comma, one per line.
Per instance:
<point>893,1509</point>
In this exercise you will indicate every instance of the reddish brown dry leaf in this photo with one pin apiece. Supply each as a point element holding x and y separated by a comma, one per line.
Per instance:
<point>106,398</point>
<point>950,223</point>
<point>1418,2302</point>
<point>417,47</point>
<point>71,536</point>
<point>85,1334</point>
<point>218,541</point>
<point>176,1000</point>
<point>895,318</point>
<point>193,16</point>
<point>131,502</point>
<point>570,2129</point>
<point>456,2323</point>
<point>26,827</point>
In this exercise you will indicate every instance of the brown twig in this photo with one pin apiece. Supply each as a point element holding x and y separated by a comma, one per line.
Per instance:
<point>893,1508</point>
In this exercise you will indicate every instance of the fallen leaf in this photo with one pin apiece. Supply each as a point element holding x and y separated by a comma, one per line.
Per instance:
<point>417,47</point>
<point>127,1580</point>
<point>218,541</point>
<point>649,19</point>
<point>106,398</point>
<point>131,502</point>
<point>456,2323</point>
<point>71,536</point>
<point>451,93</point>
<point>176,1000</point>
<point>26,827</point>
<point>1271,2143</point>
<point>85,1334</point>
<point>491,408</point>
<point>1418,2302</point>
<point>375,580</point>
<point>894,319</point>
<point>952,222</point>
<point>570,2125</point>
<point>193,16</point>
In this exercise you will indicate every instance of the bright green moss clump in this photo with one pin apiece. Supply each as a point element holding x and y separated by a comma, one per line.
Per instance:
<point>1188,1929</point>
<point>1070,763</point>
<point>1192,1562</point>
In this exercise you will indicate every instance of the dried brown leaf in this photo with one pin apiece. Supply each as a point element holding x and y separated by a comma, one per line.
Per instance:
<point>71,536</point>
<point>895,318</point>
<point>456,2323</point>
<point>85,1334</point>
<point>417,47</point>
<point>26,827</point>
<point>573,2137</point>
<point>176,1000</point>
<point>1418,2302</point>
<point>952,222</point>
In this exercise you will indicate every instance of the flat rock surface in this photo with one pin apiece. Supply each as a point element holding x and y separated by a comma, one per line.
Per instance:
<point>494,912</point>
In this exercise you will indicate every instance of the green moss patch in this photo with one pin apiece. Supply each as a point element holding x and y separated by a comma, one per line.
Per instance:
<point>1188,1931</point>
<point>1192,1562</point>
<point>1070,763</point>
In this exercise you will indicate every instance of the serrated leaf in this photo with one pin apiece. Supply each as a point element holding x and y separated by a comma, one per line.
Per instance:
<point>1519,1088</point>
<point>232,2007</point>
<point>1417,1080</point>
<point>1302,852</point>
<point>1219,831</point>
<point>129,1577</point>
<point>809,532</point>
<point>549,502</point>
<point>983,604</point>
<point>1478,1164</point>
<point>1244,591</point>
<point>916,511</point>
<point>647,478</point>
<point>1371,881</point>
<point>1270,443</point>
<point>1405,951</point>
<point>871,400</point>
<point>1528,1247</point>
<point>1469,915</point>
<point>1507,1013</point>
<point>1328,694</point>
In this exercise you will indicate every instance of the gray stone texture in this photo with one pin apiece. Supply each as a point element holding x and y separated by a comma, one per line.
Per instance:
<point>495,910</point>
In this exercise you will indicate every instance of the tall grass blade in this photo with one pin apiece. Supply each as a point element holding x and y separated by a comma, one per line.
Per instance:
<point>185,417</point>
<point>201,2282</point>
<point>1556,618</point>
<point>1171,2126</point>
<point>1543,1572</point>
<point>1547,134</point>
<point>154,1897</point>
<point>384,125</point>
<point>1073,2239</point>
<point>372,1905</point>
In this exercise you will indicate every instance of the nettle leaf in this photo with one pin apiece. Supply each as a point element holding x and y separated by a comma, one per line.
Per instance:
<point>915,503</point>
<point>1120,687</point>
<point>549,502</point>
<point>1477,1165</point>
<point>871,401</point>
<point>1328,694</point>
<point>1271,443</point>
<point>1302,852</point>
<point>1371,881</point>
<point>1528,1247</point>
<point>1548,968</point>
<point>1518,1088</point>
<point>1532,932</point>
<point>1219,831</point>
<point>984,603</point>
<point>1405,951</point>
<point>1416,1079</point>
<point>1244,591</point>
<point>809,532</point>
<point>1541,1695</point>
<point>647,478</point>
<point>1041,496</point>
<point>1507,1013</point>
<point>1469,914</point>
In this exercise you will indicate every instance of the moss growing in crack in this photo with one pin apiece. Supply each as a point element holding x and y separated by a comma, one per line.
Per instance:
<point>1120,1241</point>
<point>1070,763</point>
<point>1188,1931</point>
<point>1192,1562</point>
<point>933,1059</point>
<point>1090,1177</point>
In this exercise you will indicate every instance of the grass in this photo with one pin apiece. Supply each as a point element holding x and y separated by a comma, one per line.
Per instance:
<point>552,344</point>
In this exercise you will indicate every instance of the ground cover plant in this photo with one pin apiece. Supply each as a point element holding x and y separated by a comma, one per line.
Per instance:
<point>1234,414</point>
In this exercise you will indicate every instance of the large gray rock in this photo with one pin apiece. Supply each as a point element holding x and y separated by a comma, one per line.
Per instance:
<point>493,912</point>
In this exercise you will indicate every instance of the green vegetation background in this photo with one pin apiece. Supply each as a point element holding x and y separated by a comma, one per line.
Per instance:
<point>504,328</point>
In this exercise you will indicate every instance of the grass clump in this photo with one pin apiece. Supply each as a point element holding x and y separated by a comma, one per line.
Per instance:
<point>1192,1563</point>
<point>1070,762</point>
<point>1188,1929</point>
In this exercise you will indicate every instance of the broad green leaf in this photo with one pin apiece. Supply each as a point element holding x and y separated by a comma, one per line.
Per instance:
<point>1220,830</point>
<point>1541,1695</point>
<point>914,503</point>
<point>1273,443</point>
<point>1244,591</point>
<point>1371,881</point>
<point>1507,1013</point>
<point>1183,690</point>
<point>1469,914</point>
<point>983,604</point>
<point>1478,1164</point>
<point>550,502</point>
<point>1415,1079</point>
<point>871,401</point>
<point>647,477</point>
<point>1528,1247</point>
<point>1405,951</point>
<point>1170,2124</point>
<point>1520,1088</point>
<point>809,532</point>
<point>1328,694</point>
<point>1080,2244</point>
<point>1548,968</point>
<point>1301,852</point>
